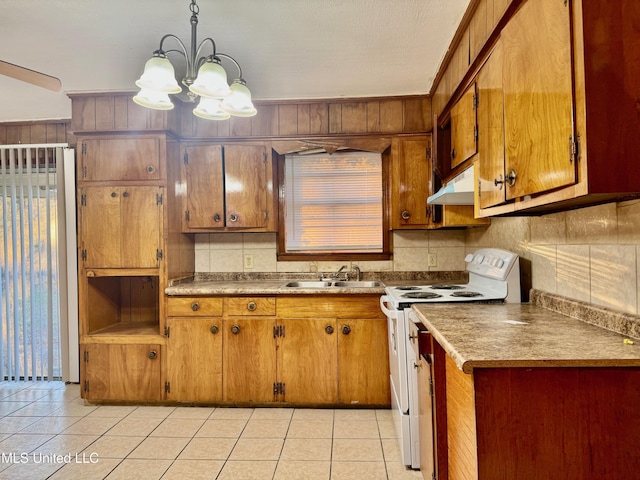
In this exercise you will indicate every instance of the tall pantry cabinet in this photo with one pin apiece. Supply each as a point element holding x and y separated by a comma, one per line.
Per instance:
<point>121,197</point>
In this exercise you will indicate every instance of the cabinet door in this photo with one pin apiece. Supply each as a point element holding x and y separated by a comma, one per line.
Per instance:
<point>538,98</point>
<point>249,364</point>
<point>363,362</point>
<point>194,359</point>
<point>122,372</point>
<point>247,178</point>
<point>120,159</point>
<point>307,361</point>
<point>491,131</point>
<point>205,190</point>
<point>463,127</point>
<point>411,179</point>
<point>121,226</point>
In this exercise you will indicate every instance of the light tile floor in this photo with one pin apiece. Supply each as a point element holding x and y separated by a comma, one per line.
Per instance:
<point>47,431</point>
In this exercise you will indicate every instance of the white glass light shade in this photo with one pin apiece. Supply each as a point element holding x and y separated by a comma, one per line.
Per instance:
<point>159,75</point>
<point>239,102</point>
<point>209,109</point>
<point>211,81</point>
<point>153,99</point>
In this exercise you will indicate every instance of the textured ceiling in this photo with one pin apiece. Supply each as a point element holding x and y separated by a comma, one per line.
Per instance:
<point>287,48</point>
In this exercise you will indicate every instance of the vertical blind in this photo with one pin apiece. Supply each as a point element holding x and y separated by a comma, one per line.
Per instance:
<point>333,202</point>
<point>30,339</point>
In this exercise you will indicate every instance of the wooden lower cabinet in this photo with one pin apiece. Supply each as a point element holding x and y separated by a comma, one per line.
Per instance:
<point>249,362</point>
<point>121,372</point>
<point>307,361</point>
<point>363,362</point>
<point>574,423</point>
<point>194,360</point>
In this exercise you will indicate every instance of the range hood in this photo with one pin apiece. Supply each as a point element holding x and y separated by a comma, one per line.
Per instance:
<point>459,191</point>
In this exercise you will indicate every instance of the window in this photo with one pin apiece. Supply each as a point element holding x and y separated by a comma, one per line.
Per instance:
<point>334,203</point>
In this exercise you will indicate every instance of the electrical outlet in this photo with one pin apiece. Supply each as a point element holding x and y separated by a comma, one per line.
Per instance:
<point>432,260</point>
<point>248,261</point>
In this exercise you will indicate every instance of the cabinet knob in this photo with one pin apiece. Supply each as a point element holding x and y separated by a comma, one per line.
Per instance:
<point>453,153</point>
<point>251,306</point>
<point>329,329</point>
<point>406,215</point>
<point>510,179</point>
<point>114,194</point>
<point>195,306</point>
<point>153,355</point>
<point>151,169</point>
<point>346,329</point>
<point>235,329</point>
<point>216,217</point>
<point>125,194</point>
<point>214,329</point>
<point>233,217</point>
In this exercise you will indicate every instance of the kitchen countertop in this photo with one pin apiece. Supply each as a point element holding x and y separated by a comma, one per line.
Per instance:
<point>523,335</point>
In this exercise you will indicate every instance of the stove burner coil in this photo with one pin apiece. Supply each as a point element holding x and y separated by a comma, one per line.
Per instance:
<point>407,288</point>
<point>466,294</point>
<point>445,286</point>
<point>421,295</point>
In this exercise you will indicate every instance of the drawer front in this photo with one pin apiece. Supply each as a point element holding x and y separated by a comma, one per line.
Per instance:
<point>194,306</point>
<point>250,306</point>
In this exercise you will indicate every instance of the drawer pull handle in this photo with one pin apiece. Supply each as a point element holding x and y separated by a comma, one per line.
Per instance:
<point>346,329</point>
<point>195,306</point>
<point>251,306</point>
<point>328,329</point>
<point>235,329</point>
<point>214,329</point>
<point>153,355</point>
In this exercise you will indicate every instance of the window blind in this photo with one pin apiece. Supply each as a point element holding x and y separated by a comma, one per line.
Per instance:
<point>333,202</point>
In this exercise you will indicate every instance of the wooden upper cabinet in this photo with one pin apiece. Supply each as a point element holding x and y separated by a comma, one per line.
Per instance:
<point>119,159</point>
<point>411,173</point>
<point>463,128</point>
<point>490,170</point>
<point>538,98</point>
<point>120,227</point>
<point>228,186</point>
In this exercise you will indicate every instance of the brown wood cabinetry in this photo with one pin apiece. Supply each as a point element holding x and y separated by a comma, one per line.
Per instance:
<point>120,227</point>
<point>464,133</point>
<point>228,186</point>
<point>532,423</point>
<point>121,372</point>
<point>120,159</point>
<point>569,120</point>
<point>194,349</point>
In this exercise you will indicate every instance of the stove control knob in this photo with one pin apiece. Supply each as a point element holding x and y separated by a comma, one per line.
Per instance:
<point>478,258</point>
<point>499,262</point>
<point>469,258</point>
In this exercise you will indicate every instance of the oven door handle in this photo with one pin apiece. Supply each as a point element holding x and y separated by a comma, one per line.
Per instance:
<point>384,301</point>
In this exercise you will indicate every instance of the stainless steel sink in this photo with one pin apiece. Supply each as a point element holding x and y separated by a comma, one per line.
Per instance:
<point>327,284</point>
<point>308,284</point>
<point>357,284</point>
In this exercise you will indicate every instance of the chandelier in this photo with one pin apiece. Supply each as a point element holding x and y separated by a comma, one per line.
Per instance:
<point>205,78</point>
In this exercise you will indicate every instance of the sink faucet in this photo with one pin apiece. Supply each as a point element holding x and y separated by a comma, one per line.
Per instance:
<point>335,275</point>
<point>356,268</point>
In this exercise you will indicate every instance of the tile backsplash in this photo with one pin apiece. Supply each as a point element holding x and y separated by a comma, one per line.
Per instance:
<point>590,254</point>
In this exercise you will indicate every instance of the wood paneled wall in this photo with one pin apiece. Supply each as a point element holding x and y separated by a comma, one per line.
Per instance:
<point>117,112</point>
<point>482,21</point>
<point>54,131</point>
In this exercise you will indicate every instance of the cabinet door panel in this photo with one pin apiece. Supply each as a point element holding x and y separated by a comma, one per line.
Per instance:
<point>141,215</point>
<point>411,178</point>
<point>363,362</point>
<point>245,171</point>
<point>463,128</point>
<point>538,98</point>
<point>307,362</point>
<point>491,131</point>
<point>101,226</point>
<point>205,189</point>
<point>120,159</point>
<point>128,372</point>
<point>249,364</point>
<point>194,359</point>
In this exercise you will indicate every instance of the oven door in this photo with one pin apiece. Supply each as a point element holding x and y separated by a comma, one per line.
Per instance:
<point>397,327</point>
